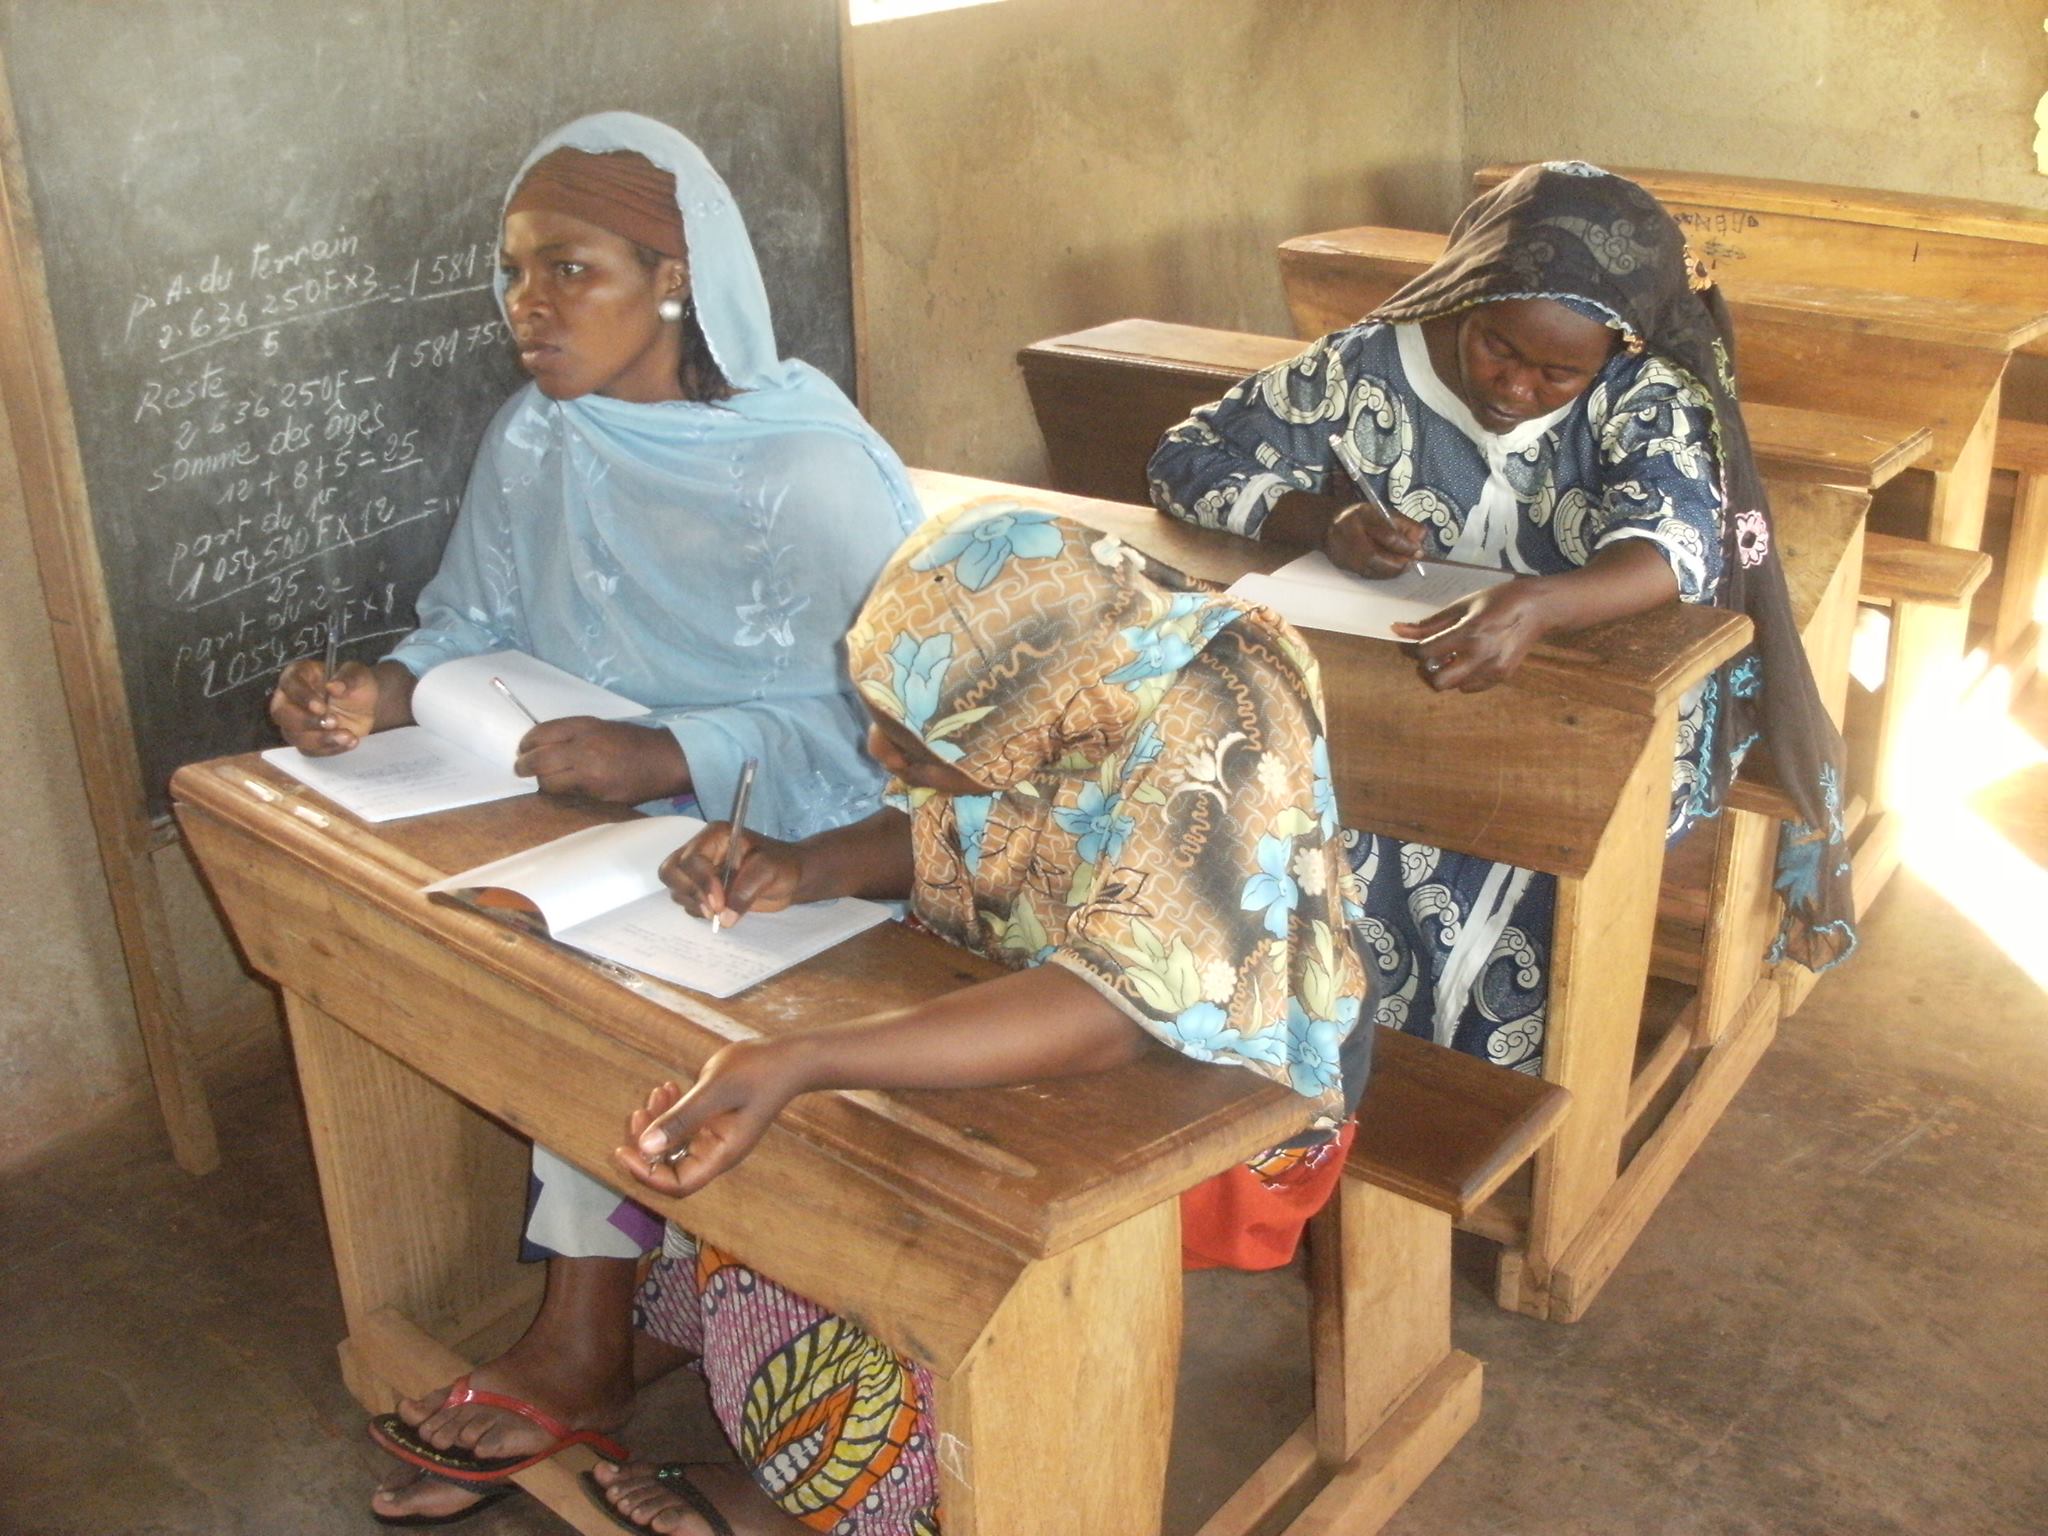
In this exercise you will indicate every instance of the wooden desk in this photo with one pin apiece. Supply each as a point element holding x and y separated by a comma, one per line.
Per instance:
<point>1566,769</point>
<point>1904,246</point>
<point>1023,1243</point>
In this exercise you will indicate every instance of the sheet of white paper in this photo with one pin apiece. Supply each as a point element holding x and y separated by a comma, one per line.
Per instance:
<point>456,700</point>
<point>1312,593</point>
<point>406,772</point>
<point>655,935</point>
<point>575,878</point>
<point>600,890</point>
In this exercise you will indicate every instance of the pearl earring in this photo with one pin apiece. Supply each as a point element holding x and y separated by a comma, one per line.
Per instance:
<point>670,309</point>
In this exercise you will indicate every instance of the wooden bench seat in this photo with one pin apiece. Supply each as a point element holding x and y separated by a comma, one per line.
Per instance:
<point>1438,1134</point>
<point>1899,570</point>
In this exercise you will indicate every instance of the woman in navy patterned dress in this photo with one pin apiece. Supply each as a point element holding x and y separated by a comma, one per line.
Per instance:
<point>1556,398</point>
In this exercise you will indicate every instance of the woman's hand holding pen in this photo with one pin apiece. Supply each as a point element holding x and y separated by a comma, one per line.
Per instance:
<point>735,1098</point>
<point>320,714</point>
<point>1371,542</point>
<point>767,878</point>
<point>610,760</point>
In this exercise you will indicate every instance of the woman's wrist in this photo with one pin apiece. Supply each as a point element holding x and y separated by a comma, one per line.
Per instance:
<point>795,1061</point>
<point>395,683</point>
<point>870,858</point>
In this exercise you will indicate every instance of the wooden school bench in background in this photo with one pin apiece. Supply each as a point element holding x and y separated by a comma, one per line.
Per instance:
<point>1758,230</point>
<point>1565,768</point>
<point>1024,1243</point>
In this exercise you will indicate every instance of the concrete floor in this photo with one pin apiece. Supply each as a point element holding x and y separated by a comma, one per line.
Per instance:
<point>1836,1323</point>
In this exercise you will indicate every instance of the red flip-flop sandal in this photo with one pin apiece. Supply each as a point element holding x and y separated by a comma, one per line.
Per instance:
<point>403,1441</point>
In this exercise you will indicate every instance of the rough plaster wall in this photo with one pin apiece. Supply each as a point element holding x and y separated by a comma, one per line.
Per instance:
<point>1930,96</point>
<point>68,1044</point>
<point>1037,166</point>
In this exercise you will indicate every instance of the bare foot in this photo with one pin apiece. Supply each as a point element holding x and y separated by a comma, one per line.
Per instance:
<point>639,1496</point>
<point>411,1492</point>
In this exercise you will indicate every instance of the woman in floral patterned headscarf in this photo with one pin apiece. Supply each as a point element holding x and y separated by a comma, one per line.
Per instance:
<point>1555,397</point>
<point>1109,781</point>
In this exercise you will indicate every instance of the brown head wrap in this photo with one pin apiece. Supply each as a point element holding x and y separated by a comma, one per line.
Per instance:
<point>621,192</point>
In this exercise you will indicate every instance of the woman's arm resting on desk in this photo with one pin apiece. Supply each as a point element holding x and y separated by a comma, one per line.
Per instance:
<point>1479,642</point>
<point>322,715</point>
<point>1025,1027</point>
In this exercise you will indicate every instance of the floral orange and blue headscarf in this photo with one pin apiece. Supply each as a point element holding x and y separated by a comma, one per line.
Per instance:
<point>1162,820</point>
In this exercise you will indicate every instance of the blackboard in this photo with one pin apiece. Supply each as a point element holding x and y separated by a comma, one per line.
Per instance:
<point>268,232</point>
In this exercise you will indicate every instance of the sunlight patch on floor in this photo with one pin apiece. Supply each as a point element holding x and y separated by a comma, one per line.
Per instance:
<point>1959,851</point>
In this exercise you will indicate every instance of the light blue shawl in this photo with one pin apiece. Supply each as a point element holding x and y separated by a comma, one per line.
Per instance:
<point>703,559</point>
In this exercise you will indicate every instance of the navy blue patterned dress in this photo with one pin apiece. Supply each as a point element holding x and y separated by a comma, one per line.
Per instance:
<point>1458,946</point>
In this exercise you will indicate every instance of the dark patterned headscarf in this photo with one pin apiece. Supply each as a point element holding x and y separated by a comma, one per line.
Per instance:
<point>1601,244</point>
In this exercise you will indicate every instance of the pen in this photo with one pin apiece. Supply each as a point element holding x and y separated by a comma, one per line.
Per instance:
<point>735,822</point>
<point>1356,471</point>
<point>499,684</point>
<point>326,721</point>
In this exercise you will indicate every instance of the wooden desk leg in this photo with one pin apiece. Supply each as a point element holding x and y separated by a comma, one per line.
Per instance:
<point>1925,662</point>
<point>422,1193</point>
<point>1599,967</point>
<point>1739,925</point>
<point>1058,1423</point>
<point>1928,644</point>
<point>2023,588</point>
<point>1392,1396</point>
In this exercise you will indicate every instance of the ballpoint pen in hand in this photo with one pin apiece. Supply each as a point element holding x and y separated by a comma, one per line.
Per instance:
<point>735,823</point>
<point>500,684</point>
<point>1356,471</point>
<point>333,646</point>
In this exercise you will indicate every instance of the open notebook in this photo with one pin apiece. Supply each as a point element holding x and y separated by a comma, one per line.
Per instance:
<point>462,750</point>
<point>1311,593</point>
<point>600,891</point>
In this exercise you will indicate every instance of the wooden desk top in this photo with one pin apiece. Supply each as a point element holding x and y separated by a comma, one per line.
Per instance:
<point>1993,324</point>
<point>1807,199</point>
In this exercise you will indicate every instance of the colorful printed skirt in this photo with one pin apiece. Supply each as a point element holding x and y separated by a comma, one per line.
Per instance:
<point>834,1425</point>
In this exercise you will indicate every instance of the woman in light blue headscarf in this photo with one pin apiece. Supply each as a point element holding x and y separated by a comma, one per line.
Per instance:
<point>673,511</point>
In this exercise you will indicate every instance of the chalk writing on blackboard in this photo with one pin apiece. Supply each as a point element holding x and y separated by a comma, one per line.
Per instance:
<point>279,477</point>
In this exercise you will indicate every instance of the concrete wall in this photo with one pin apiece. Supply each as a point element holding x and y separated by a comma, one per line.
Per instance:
<point>1036,166</point>
<point>1930,96</point>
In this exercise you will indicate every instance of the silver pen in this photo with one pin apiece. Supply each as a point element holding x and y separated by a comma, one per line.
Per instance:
<point>1356,471</point>
<point>735,822</point>
<point>500,684</point>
